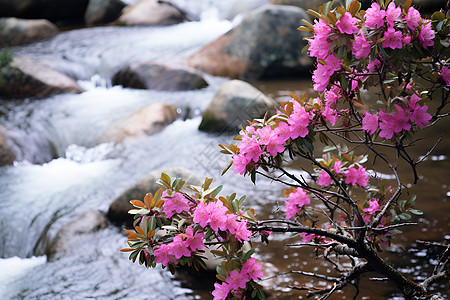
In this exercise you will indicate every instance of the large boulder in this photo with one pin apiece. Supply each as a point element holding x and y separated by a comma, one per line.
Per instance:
<point>7,156</point>
<point>15,31</point>
<point>152,76</point>
<point>234,103</point>
<point>266,44</point>
<point>146,121</point>
<point>24,77</point>
<point>103,11</point>
<point>152,12</point>
<point>60,12</point>
<point>72,235</point>
<point>118,211</point>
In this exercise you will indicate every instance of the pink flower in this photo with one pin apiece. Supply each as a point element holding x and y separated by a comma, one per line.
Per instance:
<point>420,116</point>
<point>330,114</point>
<point>337,166</point>
<point>250,148</point>
<point>194,241</point>
<point>406,40</point>
<point>242,233</point>
<point>319,47</point>
<point>426,35</point>
<point>370,123</point>
<point>360,47</point>
<point>277,138</point>
<point>324,178</point>
<point>346,24</point>
<point>400,120</point>
<point>412,18</point>
<point>179,248</point>
<point>221,291</point>
<point>374,206</point>
<point>299,120</point>
<point>357,176</point>
<point>177,203</point>
<point>332,96</point>
<point>321,75</point>
<point>374,65</point>
<point>392,38</point>
<point>264,134</point>
<point>445,74</point>
<point>321,28</point>
<point>252,269</point>
<point>202,214</point>
<point>240,163</point>
<point>374,16</point>
<point>237,280</point>
<point>295,202</point>
<point>392,13</point>
<point>386,128</point>
<point>162,255</point>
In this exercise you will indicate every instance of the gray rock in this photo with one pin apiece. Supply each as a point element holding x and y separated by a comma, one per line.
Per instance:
<point>146,121</point>
<point>118,211</point>
<point>266,44</point>
<point>15,31</point>
<point>7,156</point>
<point>234,103</point>
<point>152,12</point>
<point>152,76</point>
<point>103,11</point>
<point>58,11</point>
<point>24,77</point>
<point>73,234</point>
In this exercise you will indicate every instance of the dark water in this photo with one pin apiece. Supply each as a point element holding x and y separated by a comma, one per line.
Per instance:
<point>64,170</point>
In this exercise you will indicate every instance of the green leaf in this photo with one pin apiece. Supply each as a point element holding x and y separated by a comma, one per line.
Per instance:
<point>165,178</point>
<point>216,191</point>
<point>416,212</point>
<point>152,223</point>
<point>248,254</point>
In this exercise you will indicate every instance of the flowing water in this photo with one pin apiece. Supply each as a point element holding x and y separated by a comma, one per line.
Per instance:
<point>63,170</point>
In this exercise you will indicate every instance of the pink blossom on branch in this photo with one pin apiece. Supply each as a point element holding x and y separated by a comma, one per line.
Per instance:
<point>221,291</point>
<point>393,39</point>
<point>237,280</point>
<point>375,16</point>
<point>392,13</point>
<point>369,123</point>
<point>252,269</point>
<point>412,18</point>
<point>445,74</point>
<point>177,203</point>
<point>426,35</point>
<point>374,206</point>
<point>357,176</point>
<point>347,24</point>
<point>360,46</point>
<point>324,178</point>
<point>295,201</point>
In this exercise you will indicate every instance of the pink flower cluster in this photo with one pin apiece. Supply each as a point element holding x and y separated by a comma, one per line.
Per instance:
<point>182,245</point>
<point>215,215</point>
<point>268,141</point>
<point>354,176</point>
<point>174,204</point>
<point>295,202</point>
<point>400,119</point>
<point>319,47</point>
<point>237,280</point>
<point>416,27</point>
<point>387,21</point>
